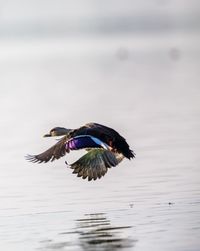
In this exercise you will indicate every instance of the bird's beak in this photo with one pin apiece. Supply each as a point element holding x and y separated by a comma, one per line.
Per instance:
<point>47,135</point>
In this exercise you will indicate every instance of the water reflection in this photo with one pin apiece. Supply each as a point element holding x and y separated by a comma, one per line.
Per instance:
<point>97,233</point>
<point>93,232</point>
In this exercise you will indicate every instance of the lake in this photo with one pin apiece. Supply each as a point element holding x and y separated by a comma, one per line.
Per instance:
<point>147,88</point>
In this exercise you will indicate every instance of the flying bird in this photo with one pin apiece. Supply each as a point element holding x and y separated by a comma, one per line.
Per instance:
<point>105,148</point>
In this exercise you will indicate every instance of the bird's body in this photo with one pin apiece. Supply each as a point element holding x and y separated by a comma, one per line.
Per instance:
<point>106,148</point>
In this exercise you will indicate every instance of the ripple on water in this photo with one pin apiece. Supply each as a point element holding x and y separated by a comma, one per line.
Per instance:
<point>93,232</point>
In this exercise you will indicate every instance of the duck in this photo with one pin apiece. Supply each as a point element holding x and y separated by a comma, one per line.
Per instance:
<point>105,148</point>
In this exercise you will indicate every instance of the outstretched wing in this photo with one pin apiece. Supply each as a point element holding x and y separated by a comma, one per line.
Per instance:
<point>95,163</point>
<point>55,152</point>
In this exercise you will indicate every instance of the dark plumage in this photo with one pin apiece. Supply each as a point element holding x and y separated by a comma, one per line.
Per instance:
<point>106,148</point>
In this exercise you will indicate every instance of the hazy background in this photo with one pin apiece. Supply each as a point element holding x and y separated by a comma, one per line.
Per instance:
<point>131,65</point>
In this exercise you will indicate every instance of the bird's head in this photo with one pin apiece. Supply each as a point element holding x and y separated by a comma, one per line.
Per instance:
<point>57,131</point>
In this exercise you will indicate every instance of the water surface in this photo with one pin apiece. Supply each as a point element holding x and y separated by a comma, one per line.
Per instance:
<point>147,88</point>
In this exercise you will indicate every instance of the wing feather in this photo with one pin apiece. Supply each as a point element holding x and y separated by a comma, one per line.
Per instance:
<point>95,164</point>
<point>55,152</point>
